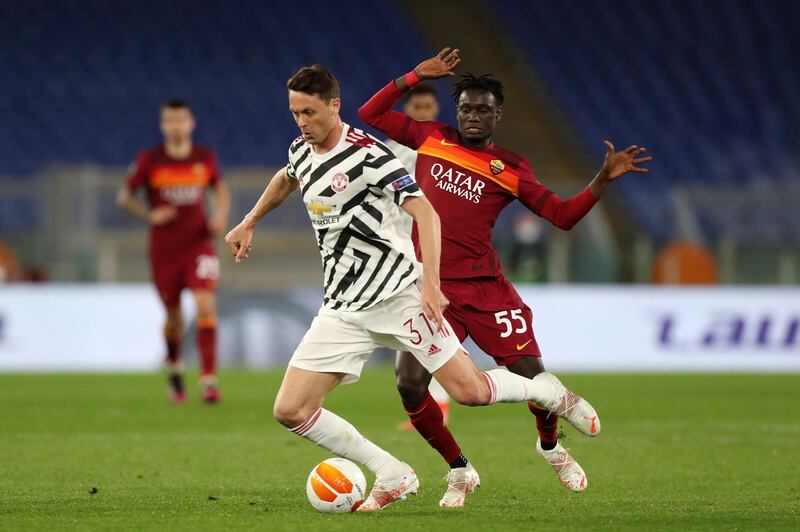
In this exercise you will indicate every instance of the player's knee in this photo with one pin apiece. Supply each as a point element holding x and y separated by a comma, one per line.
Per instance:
<point>412,390</point>
<point>290,415</point>
<point>173,326</point>
<point>470,395</point>
<point>287,415</point>
<point>206,319</point>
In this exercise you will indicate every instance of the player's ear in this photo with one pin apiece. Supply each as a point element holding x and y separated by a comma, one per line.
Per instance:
<point>499,114</point>
<point>335,104</point>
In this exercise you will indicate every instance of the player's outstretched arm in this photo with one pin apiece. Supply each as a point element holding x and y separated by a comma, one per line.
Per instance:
<point>240,238</point>
<point>377,112</point>
<point>564,214</point>
<point>430,242</point>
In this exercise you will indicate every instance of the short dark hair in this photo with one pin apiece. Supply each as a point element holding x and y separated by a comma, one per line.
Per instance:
<point>420,90</point>
<point>175,103</point>
<point>483,82</point>
<point>315,79</point>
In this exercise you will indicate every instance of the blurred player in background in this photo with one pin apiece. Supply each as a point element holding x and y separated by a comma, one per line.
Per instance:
<point>176,175</point>
<point>469,180</point>
<point>419,103</point>
<point>376,292</point>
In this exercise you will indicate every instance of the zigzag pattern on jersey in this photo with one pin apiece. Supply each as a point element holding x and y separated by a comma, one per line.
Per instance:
<point>364,257</point>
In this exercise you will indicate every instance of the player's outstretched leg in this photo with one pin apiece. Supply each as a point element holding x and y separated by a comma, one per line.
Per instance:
<point>468,386</point>
<point>426,416</point>
<point>207,344</point>
<point>569,472</point>
<point>173,332</point>
<point>299,408</point>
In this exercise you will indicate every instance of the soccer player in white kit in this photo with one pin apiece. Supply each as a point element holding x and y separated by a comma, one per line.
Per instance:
<point>376,293</point>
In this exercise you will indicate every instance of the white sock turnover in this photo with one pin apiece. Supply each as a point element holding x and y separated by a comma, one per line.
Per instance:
<point>338,436</point>
<point>509,387</point>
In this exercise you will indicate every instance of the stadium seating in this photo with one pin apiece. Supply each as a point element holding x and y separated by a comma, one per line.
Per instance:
<point>82,81</point>
<point>707,86</point>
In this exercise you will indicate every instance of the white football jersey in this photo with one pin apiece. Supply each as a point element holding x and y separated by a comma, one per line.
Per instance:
<point>353,195</point>
<point>406,155</point>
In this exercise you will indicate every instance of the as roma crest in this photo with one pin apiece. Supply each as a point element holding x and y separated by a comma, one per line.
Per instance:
<point>496,166</point>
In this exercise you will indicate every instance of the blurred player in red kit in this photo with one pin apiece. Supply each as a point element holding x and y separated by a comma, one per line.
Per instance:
<point>176,175</point>
<point>469,180</point>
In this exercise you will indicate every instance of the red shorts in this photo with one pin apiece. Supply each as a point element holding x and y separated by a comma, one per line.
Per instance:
<point>490,311</point>
<point>195,270</point>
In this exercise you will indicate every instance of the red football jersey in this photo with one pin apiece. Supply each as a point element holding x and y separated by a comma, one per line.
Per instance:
<point>181,183</point>
<point>469,187</point>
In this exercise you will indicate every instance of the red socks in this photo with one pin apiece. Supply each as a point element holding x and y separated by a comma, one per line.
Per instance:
<point>546,425</point>
<point>428,420</point>
<point>207,346</point>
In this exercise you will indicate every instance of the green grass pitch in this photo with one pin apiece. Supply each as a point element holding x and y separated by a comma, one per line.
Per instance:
<point>677,452</point>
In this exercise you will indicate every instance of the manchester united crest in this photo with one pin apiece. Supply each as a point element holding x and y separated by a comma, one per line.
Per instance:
<point>496,166</point>
<point>198,169</point>
<point>339,182</point>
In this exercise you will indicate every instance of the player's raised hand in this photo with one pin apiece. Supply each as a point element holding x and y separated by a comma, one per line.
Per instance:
<point>619,163</point>
<point>441,65</point>
<point>162,215</point>
<point>239,241</point>
<point>433,303</point>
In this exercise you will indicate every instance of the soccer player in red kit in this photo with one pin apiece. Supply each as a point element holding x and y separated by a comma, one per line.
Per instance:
<point>176,175</point>
<point>469,180</point>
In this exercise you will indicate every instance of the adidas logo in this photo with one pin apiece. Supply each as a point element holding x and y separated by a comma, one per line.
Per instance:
<point>433,350</point>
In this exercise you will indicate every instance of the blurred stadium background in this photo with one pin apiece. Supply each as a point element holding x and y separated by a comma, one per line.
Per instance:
<point>693,267</point>
<point>706,86</point>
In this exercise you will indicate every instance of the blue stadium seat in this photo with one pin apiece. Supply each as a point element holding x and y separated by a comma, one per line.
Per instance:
<point>82,81</point>
<point>708,86</point>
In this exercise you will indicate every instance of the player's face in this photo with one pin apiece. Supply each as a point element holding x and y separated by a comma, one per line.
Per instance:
<point>422,107</point>
<point>477,114</point>
<point>314,116</point>
<point>177,125</point>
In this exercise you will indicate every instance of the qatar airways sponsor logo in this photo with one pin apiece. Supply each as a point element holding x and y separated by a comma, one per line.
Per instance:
<point>458,183</point>
<point>178,196</point>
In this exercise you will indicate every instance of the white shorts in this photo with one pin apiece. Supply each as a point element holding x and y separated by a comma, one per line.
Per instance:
<point>341,341</point>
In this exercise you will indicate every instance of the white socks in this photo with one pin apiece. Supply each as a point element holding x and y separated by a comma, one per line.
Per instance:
<point>507,387</point>
<point>336,435</point>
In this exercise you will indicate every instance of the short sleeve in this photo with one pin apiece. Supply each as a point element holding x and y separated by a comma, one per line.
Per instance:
<point>137,172</point>
<point>388,175</point>
<point>290,171</point>
<point>291,168</point>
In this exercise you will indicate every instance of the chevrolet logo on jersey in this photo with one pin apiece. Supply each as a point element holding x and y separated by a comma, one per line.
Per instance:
<point>496,166</point>
<point>319,208</point>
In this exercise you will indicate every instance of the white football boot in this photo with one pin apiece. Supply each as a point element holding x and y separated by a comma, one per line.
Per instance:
<point>460,482</point>
<point>571,407</point>
<point>569,472</point>
<point>387,490</point>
